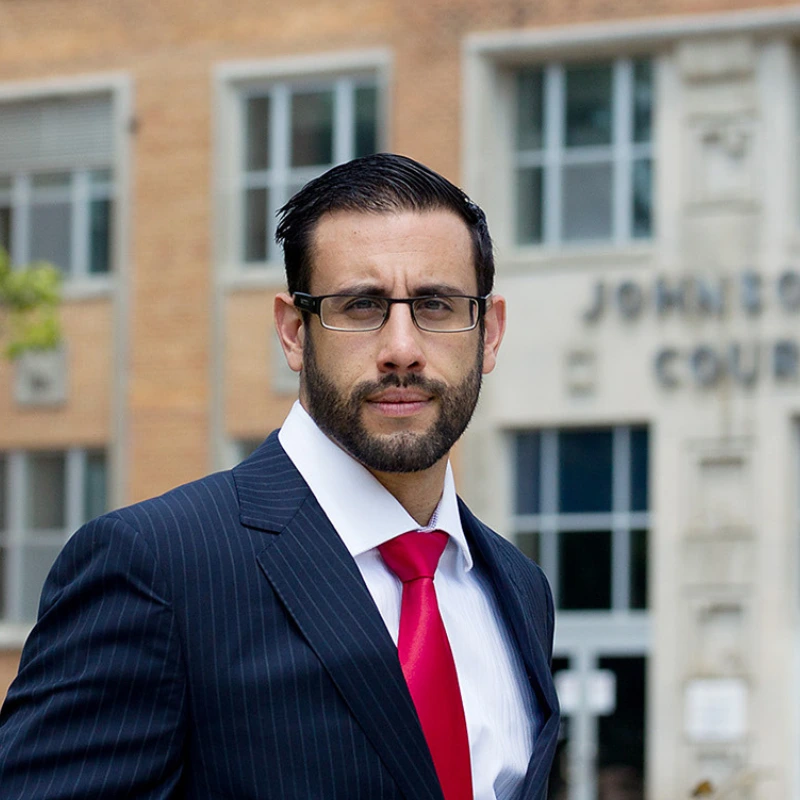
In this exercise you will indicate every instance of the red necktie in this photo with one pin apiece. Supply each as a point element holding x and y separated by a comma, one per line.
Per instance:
<point>427,661</point>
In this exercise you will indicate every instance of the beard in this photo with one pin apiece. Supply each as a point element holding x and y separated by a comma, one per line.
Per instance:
<point>339,416</point>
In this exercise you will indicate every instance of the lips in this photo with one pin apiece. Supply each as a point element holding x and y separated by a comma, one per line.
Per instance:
<point>395,396</point>
<point>399,403</point>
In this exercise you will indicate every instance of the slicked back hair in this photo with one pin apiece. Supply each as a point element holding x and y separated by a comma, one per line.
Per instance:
<point>379,184</point>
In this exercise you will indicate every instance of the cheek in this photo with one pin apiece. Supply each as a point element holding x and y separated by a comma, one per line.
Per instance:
<point>344,360</point>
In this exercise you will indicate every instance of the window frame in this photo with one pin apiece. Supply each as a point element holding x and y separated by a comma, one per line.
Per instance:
<point>16,534</point>
<point>235,81</point>
<point>119,89</point>
<point>281,178</point>
<point>554,156</point>
<point>621,520</point>
<point>79,194</point>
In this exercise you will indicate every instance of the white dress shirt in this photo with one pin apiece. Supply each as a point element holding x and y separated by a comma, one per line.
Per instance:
<point>498,703</point>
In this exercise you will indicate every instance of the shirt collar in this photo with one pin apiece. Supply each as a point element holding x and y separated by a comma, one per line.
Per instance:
<point>361,510</point>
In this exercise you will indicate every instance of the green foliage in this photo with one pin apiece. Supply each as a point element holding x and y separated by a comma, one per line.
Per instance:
<point>29,300</point>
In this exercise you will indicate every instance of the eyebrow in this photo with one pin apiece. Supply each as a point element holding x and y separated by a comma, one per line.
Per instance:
<point>370,290</point>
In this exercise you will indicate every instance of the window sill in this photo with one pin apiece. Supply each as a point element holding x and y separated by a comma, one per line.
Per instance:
<point>262,276</point>
<point>88,288</point>
<point>13,635</point>
<point>576,257</point>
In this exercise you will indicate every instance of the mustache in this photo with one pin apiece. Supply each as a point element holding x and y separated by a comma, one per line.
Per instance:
<point>391,380</point>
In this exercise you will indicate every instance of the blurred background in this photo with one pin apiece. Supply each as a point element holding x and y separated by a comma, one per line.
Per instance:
<point>638,163</point>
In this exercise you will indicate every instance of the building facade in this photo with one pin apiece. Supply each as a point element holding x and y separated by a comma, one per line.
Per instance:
<point>640,438</point>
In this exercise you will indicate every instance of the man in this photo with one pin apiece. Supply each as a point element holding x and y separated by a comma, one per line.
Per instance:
<point>275,631</point>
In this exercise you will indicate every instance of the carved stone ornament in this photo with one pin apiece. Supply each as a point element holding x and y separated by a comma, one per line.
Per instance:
<point>717,58</point>
<point>41,378</point>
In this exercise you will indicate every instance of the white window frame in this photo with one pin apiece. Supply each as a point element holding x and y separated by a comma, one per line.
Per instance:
<point>15,533</point>
<point>79,283</point>
<point>79,194</point>
<point>236,80</point>
<point>621,520</point>
<point>554,156</point>
<point>281,178</point>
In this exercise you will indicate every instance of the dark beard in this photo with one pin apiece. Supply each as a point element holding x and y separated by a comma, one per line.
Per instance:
<point>340,417</point>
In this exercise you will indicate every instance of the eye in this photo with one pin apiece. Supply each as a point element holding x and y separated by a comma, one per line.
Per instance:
<point>434,305</point>
<point>361,305</point>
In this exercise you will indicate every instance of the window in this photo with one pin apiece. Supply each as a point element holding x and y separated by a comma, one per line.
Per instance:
<point>581,511</point>
<point>583,152</point>
<point>57,183</point>
<point>44,497</point>
<point>292,133</point>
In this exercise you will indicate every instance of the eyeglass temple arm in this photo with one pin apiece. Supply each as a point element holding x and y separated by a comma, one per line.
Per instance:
<point>306,302</point>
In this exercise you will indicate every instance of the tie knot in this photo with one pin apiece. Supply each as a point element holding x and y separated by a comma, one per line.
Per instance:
<point>415,554</point>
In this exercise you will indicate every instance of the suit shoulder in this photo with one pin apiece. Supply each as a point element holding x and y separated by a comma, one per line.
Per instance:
<point>183,507</point>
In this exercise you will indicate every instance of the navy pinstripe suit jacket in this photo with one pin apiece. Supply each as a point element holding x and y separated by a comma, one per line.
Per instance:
<point>219,642</point>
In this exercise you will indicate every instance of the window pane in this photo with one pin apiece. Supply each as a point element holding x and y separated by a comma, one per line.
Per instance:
<point>46,500</point>
<point>584,473</point>
<point>366,127</point>
<point>529,205</point>
<point>588,112</point>
<point>640,459</point>
<point>529,544</point>
<point>587,202</point>
<point>258,132</point>
<point>100,212</point>
<point>100,177</point>
<point>530,110</point>
<point>312,129</point>
<point>639,572</point>
<point>95,489</point>
<point>51,234</point>
<point>585,570</point>
<point>36,563</point>
<point>5,228</point>
<point>256,202</point>
<point>527,457</point>
<point>642,100</point>
<point>51,180</point>
<point>642,201</point>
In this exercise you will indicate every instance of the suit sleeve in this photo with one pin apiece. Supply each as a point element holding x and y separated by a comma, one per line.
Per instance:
<point>551,613</point>
<point>98,707</point>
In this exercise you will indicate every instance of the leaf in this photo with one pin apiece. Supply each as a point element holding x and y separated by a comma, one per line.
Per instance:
<point>30,297</point>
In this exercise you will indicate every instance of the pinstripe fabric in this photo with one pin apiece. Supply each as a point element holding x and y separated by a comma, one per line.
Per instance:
<point>219,642</point>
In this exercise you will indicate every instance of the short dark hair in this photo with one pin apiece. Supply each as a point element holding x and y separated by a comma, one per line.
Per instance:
<point>381,183</point>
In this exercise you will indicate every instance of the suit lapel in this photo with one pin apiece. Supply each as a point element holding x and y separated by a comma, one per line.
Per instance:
<point>321,588</point>
<point>536,658</point>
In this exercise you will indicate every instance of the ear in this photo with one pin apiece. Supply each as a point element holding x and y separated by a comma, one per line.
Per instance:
<point>291,330</point>
<point>494,324</point>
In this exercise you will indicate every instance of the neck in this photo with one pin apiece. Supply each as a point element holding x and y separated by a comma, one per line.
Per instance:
<point>418,492</point>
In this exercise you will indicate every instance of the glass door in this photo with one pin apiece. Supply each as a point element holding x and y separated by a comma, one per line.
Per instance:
<point>601,748</point>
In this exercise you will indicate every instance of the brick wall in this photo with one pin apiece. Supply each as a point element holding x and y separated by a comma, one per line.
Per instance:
<point>9,662</point>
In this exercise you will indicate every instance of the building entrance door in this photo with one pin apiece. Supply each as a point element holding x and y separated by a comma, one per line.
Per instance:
<point>601,752</point>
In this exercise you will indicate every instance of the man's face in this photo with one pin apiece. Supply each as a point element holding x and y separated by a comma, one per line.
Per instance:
<point>396,399</point>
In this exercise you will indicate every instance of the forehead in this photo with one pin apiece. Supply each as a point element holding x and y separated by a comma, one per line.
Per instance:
<point>397,251</point>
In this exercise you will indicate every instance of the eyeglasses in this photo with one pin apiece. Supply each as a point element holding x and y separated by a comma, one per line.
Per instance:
<point>358,312</point>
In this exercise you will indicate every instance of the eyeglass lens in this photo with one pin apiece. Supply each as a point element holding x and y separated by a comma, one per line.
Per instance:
<point>369,313</point>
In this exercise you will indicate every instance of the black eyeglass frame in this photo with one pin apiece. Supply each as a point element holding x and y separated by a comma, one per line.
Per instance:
<point>313,304</point>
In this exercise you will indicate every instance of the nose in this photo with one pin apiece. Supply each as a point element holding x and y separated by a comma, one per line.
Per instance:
<point>401,342</point>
